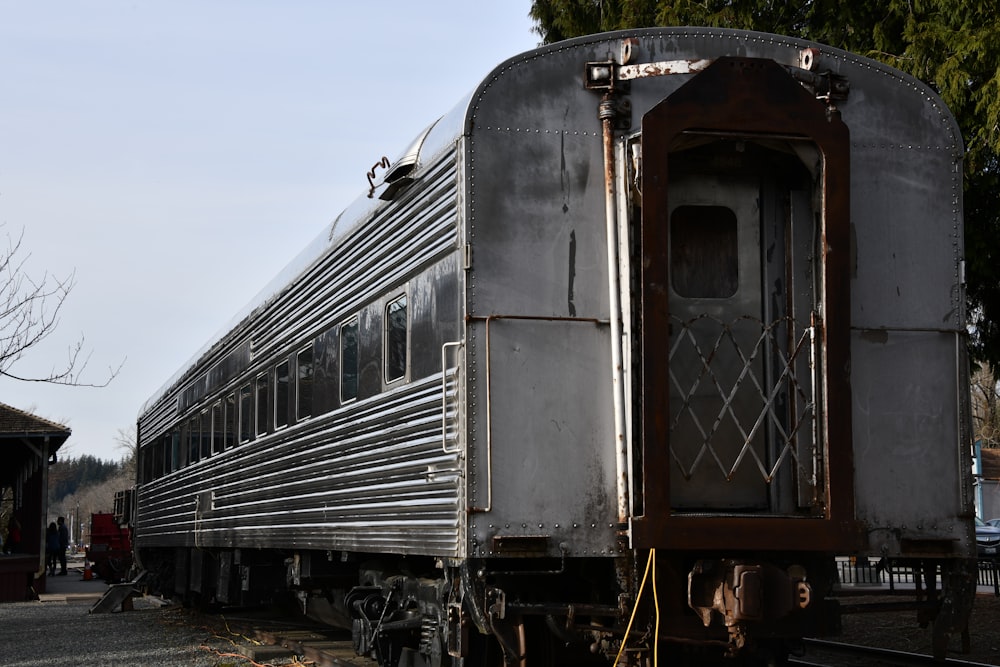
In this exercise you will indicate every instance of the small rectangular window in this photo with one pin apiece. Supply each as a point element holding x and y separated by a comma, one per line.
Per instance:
<point>349,360</point>
<point>395,339</point>
<point>261,408</point>
<point>161,465</point>
<point>303,383</point>
<point>246,413</point>
<point>704,252</point>
<point>193,429</point>
<point>168,454</point>
<point>176,450</point>
<point>185,436</point>
<point>218,428</point>
<point>230,417</point>
<point>205,433</point>
<point>281,395</point>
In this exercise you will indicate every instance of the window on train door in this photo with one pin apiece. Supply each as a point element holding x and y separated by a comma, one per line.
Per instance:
<point>246,413</point>
<point>349,360</point>
<point>303,383</point>
<point>395,339</point>
<point>261,407</point>
<point>282,395</point>
<point>704,253</point>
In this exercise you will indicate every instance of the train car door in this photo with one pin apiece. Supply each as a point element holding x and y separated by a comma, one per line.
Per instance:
<point>741,303</point>
<point>744,312</point>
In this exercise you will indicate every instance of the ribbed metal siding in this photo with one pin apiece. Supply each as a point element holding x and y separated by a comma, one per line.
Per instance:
<point>370,476</point>
<point>417,229</point>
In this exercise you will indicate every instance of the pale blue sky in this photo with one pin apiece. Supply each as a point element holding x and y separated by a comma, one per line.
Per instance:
<point>177,154</point>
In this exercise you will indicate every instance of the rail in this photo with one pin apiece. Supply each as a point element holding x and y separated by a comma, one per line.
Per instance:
<point>821,653</point>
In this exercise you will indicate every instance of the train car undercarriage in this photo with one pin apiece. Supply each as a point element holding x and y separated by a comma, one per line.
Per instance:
<point>747,610</point>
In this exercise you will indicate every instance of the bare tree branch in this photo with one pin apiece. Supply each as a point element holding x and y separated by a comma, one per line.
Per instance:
<point>985,395</point>
<point>29,314</point>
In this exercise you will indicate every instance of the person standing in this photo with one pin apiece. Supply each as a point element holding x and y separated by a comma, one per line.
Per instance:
<point>63,545</point>
<point>13,544</point>
<point>51,548</point>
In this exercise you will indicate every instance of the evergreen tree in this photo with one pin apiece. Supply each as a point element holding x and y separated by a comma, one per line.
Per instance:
<point>70,475</point>
<point>952,45</point>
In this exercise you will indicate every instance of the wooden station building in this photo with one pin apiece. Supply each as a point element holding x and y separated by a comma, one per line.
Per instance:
<point>28,445</point>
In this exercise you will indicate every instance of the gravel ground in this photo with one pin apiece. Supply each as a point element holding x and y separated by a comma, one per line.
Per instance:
<point>58,633</point>
<point>899,631</point>
<point>64,634</point>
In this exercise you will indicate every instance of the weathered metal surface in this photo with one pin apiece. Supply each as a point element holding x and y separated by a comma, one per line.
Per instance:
<point>562,150</point>
<point>535,425</point>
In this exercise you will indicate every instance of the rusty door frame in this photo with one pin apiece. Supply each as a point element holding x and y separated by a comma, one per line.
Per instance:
<point>747,97</point>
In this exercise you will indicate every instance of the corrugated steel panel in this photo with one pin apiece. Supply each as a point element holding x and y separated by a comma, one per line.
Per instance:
<point>370,476</point>
<point>373,476</point>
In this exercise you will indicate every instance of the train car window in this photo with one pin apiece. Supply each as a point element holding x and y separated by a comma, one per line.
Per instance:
<point>262,398</point>
<point>178,457</point>
<point>193,430</point>
<point>168,454</point>
<point>246,413</point>
<point>205,433</point>
<point>303,383</point>
<point>146,459</point>
<point>185,446</point>
<point>704,252</point>
<point>161,465</point>
<point>395,339</point>
<point>230,417</point>
<point>218,429</point>
<point>282,395</point>
<point>349,360</point>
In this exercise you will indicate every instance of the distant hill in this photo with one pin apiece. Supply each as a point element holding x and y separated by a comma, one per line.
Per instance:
<point>67,476</point>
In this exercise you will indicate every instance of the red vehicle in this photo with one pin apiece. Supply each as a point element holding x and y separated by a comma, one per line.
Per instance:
<point>110,550</point>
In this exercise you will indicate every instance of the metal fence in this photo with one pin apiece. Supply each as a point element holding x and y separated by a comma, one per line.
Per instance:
<point>866,572</point>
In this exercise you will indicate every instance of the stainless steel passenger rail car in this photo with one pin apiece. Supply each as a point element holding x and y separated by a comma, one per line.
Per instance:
<point>669,315</point>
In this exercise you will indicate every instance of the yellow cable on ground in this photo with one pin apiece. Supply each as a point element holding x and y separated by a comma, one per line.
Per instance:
<point>656,607</point>
<point>650,564</point>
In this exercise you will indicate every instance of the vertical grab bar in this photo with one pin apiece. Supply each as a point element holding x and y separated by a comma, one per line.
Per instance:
<point>444,398</point>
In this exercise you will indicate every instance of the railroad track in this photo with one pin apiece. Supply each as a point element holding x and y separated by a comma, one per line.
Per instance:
<point>269,636</point>
<point>821,653</point>
<point>320,649</point>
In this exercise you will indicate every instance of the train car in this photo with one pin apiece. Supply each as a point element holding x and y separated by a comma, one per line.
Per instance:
<point>610,364</point>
